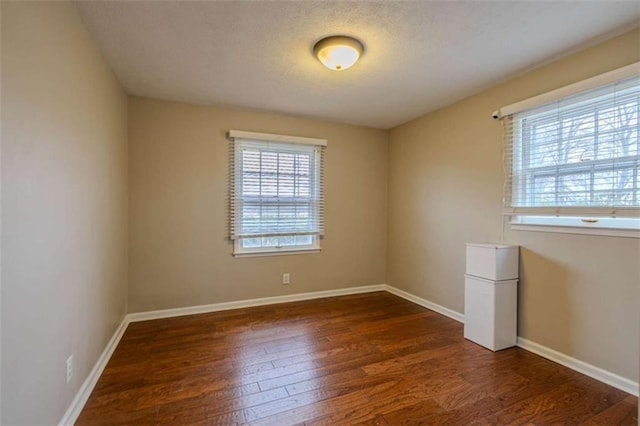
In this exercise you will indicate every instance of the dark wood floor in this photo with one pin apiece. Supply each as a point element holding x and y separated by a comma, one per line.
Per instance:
<point>372,359</point>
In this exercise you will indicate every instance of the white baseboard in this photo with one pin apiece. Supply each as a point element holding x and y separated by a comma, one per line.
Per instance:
<point>82,396</point>
<point>426,303</point>
<point>592,371</point>
<point>215,307</point>
<point>85,390</point>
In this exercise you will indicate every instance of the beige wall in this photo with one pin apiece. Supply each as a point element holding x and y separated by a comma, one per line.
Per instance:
<point>179,253</point>
<point>64,211</point>
<point>578,294</point>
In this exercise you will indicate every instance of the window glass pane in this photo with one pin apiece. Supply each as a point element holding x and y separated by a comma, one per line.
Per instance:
<point>268,174</point>
<point>544,190</point>
<point>578,150</point>
<point>303,170</point>
<point>625,194</point>
<point>624,179</point>
<point>303,240</point>
<point>607,146</point>
<point>603,181</point>
<point>251,161</point>
<point>275,242</point>
<point>251,172</point>
<point>544,145</point>
<point>637,187</point>
<point>603,188</point>
<point>618,125</point>
<point>633,144</point>
<point>624,198</point>
<point>577,139</point>
<point>618,131</point>
<point>251,243</point>
<point>286,175</point>
<point>573,189</point>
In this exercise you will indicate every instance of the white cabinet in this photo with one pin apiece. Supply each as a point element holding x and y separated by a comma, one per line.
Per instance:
<point>491,295</point>
<point>492,261</point>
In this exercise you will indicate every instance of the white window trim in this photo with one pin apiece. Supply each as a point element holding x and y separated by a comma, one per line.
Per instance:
<point>241,134</point>
<point>572,89</point>
<point>576,225</point>
<point>314,247</point>
<point>238,251</point>
<point>621,224</point>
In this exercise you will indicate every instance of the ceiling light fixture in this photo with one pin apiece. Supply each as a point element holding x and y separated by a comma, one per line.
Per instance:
<point>338,52</point>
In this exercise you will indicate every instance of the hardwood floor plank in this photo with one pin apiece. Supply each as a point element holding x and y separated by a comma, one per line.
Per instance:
<point>341,378</point>
<point>317,371</point>
<point>318,354</point>
<point>374,406</point>
<point>569,403</point>
<point>370,359</point>
<point>398,363</point>
<point>208,406</point>
<point>306,413</point>
<point>623,413</point>
<point>422,413</point>
<point>378,420</point>
<point>106,416</point>
<point>186,388</point>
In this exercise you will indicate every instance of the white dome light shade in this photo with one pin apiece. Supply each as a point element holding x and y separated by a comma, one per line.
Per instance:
<point>338,52</point>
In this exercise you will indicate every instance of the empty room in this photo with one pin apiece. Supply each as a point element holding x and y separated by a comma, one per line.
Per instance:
<point>320,212</point>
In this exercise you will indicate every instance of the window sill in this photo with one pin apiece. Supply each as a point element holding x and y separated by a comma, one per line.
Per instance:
<point>263,253</point>
<point>582,230</point>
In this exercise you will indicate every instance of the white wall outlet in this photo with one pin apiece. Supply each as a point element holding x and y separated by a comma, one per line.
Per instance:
<point>286,278</point>
<point>69,368</point>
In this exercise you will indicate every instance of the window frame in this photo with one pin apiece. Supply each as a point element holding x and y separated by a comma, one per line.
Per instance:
<point>576,225</point>
<point>294,144</point>
<point>239,251</point>
<point>590,218</point>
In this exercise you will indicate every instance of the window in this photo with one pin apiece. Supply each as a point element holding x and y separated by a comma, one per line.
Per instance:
<point>575,161</point>
<point>276,202</point>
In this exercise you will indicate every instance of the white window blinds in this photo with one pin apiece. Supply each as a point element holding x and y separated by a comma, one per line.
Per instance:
<point>276,188</point>
<point>576,156</point>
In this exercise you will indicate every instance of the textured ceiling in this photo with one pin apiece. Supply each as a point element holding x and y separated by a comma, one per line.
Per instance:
<point>419,56</point>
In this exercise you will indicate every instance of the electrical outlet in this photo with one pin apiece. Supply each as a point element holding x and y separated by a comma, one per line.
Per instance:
<point>69,368</point>
<point>286,278</point>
